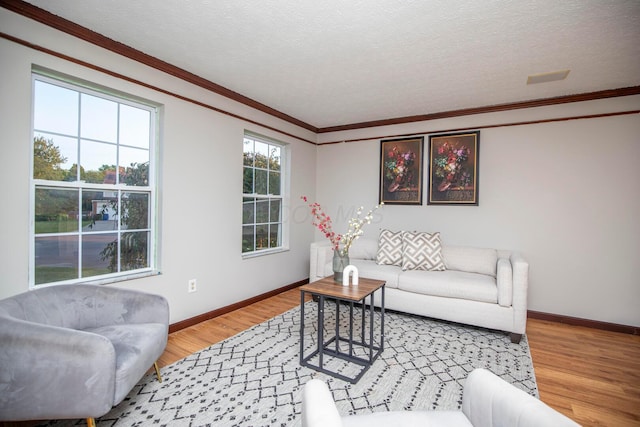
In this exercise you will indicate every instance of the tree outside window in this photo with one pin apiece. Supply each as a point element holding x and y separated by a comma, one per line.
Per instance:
<point>262,194</point>
<point>93,184</point>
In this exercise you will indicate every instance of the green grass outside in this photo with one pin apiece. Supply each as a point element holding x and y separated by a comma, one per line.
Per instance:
<point>61,226</point>
<point>58,274</point>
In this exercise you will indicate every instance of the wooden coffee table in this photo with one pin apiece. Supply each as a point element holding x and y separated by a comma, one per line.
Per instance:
<point>365,342</point>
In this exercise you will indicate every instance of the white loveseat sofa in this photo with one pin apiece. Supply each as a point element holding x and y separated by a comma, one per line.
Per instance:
<point>487,401</point>
<point>479,286</point>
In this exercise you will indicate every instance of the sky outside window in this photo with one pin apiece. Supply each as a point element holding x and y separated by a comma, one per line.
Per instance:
<point>90,130</point>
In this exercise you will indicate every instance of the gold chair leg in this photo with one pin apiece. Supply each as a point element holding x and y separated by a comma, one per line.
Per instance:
<point>91,422</point>
<point>155,365</point>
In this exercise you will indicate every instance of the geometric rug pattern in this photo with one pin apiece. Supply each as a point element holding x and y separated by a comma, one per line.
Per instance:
<point>255,379</point>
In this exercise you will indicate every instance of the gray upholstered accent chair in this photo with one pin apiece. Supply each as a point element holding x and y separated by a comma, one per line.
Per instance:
<point>75,351</point>
<point>487,401</point>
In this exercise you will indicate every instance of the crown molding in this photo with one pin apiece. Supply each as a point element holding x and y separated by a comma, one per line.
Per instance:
<point>590,96</point>
<point>47,18</point>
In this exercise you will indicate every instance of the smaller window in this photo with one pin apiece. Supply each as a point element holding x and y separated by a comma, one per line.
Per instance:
<point>262,194</point>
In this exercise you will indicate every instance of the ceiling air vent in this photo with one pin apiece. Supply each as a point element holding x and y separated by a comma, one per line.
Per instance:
<point>547,77</point>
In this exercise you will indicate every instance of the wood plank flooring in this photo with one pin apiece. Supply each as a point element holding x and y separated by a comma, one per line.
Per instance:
<point>590,375</point>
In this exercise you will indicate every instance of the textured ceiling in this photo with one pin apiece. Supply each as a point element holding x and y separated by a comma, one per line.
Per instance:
<point>336,62</point>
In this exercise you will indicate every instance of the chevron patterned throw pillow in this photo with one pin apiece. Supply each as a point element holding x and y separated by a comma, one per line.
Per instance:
<point>389,248</point>
<point>422,251</point>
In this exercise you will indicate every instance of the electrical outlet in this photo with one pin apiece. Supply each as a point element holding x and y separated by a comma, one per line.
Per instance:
<point>192,286</point>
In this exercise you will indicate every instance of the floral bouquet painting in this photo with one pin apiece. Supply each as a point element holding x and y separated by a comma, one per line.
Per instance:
<point>453,168</point>
<point>401,171</point>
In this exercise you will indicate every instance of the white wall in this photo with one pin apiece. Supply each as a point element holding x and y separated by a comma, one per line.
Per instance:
<point>566,194</point>
<point>201,172</point>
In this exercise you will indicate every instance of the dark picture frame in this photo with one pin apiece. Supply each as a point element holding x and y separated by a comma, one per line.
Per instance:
<point>453,169</point>
<point>401,165</point>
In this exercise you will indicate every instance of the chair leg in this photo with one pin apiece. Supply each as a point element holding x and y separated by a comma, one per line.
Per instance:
<point>155,365</point>
<point>515,338</point>
<point>91,422</point>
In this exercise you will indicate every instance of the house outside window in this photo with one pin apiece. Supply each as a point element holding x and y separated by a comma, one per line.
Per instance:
<point>264,192</point>
<point>93,185</point>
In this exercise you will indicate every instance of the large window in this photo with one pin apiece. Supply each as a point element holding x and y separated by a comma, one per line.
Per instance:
<point>263,195</point>
<point>93,185</point>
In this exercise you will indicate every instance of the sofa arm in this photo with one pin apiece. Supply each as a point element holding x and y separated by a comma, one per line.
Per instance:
<point>318,407</point>
<point>489,401</point>
<point>504,280</point>
<point>320,254</point>
<point>48,372</point>
<point>520,288</point>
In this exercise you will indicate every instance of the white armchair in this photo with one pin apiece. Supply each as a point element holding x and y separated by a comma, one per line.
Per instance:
<point>487,401</point>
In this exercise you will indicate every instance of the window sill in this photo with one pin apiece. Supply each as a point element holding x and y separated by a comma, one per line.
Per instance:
<point>263,252</point>
<point>123,278</point>
<point>103,281</point>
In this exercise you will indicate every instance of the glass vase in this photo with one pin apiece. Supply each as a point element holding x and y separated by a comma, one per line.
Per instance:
<point>340,261</point>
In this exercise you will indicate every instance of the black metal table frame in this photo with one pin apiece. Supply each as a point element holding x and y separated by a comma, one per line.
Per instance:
<point>325,347</point>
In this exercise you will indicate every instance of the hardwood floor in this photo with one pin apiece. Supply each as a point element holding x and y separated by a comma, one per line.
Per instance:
<point>590,375</point>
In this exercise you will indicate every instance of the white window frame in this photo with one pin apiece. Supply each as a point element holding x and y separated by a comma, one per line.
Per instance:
<point>151,189</point>
<point>283,197</point>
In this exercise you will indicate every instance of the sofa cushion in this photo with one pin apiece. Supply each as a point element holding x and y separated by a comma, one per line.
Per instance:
<point>371,270</point>
<point>471,260</point>
<point>363,249</point>
<point>389,248</point>
<point>450,284</point>
<point>137,347</point>
<point>422,251</point>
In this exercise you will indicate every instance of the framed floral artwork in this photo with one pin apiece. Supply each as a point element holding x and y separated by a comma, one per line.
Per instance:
<point>453,169</point>
<point>401,171</point>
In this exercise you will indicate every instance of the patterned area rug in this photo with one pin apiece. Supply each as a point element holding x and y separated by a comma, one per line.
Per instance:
<point>255,378</point>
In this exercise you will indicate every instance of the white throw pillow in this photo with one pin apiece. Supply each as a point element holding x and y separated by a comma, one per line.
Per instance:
<point>389,248</point>
<point>422,251</point>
